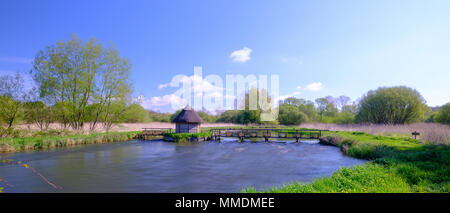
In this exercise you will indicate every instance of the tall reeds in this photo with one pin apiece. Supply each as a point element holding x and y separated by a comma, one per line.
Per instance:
<point>429,132</point>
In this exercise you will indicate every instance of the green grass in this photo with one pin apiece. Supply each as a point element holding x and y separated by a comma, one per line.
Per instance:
<point>44,142</point>
<point>397,164</point>
<point>183,137</point>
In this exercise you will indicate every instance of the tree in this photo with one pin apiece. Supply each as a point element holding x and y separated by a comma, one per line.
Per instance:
<point>326,107</point>
<point>342,101</point>
<point>135,113</point>
<point>75,74</point>
<point>391,105</point>
<point>229,116</point>
<point>443,114</point>
<point>248,116</point>
<point>291,115</point>
<point>38,113</point>
<point>160,117</point>
<point>207,117</point>
<point>12,93</point>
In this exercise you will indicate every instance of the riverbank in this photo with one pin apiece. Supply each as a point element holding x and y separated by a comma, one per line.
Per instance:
<point>45,142</point>
<point>397,165</point>
<point>122,127</point>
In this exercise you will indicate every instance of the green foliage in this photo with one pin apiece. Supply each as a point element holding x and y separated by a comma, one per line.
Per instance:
<point>10,113</point>
<point>11,96</point>
<point>159,117</point>
<point>443,114</point>
<point>46,141</point>
<point>73,74</point>
<point>326,107</point>
<point>229,116</point>
<point>38,113</point>
<point>393,105</point>
<point>208,118</point>
<point>248,117</point>
<point>399,165</point>
<point>183,137</point>
<point>135,113</point>
<point>370,178</point>
<point>291,115</point>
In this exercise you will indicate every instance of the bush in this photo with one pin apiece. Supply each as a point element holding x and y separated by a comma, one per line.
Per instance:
<point>393,105</point>
<point>443,114</point>
<point>291,115</point>
<point>183,137</point>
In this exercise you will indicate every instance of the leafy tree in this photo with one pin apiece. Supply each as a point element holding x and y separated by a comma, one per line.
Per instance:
<point>12,94</point>
<point>229,116</point>
<point>391,105</point>
<point>114,114</point>
<point>342,101</point>
<point>74,74</point>
<point>38,113</point>
<point>291,115</point>
<point>443,114</point>
<point>326,107</point>
<point>160,117</point>
<point>248,117</point>
<point>207,117</point>
<point>135,113</point>
<point>344,118</point>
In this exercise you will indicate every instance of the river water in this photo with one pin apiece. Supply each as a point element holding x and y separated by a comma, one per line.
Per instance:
<point>157,166</point>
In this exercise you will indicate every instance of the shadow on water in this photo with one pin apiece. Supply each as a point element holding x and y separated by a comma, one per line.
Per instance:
<point>157,166</point>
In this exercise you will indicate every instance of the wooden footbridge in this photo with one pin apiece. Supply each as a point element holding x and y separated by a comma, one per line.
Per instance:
<point>243,133</point>
<point>267,133</point>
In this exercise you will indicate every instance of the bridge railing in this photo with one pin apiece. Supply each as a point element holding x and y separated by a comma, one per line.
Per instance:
<point>267,132</point>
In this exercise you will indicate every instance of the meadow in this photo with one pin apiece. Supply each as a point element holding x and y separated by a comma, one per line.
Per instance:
<point>397,165</point>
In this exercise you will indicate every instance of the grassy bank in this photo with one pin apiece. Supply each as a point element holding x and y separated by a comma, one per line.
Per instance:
<point>184,137</point>
<point>45,142</point>
<point>397,165</point>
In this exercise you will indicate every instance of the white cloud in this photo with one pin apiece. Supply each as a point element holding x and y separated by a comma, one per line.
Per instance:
<point>162,86</point>
<point>242,55</point>
<point>316,86</point>
<point>158,101</point>
<point>200,86</point>
<point>294,94</point>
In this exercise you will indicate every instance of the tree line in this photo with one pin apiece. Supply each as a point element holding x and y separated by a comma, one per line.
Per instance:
<point>385,105</point>
<point>78,83</point>
<point>75,83</point>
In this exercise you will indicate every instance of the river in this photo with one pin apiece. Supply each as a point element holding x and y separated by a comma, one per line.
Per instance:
<point>157,166</point>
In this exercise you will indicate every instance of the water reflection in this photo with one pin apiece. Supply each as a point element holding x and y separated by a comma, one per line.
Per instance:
<point>157,166</point>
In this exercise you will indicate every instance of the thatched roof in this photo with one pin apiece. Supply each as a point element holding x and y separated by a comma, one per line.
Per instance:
<point>188,115</point>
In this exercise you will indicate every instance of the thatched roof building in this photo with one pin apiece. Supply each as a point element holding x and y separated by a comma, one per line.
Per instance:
<point>188,121</point>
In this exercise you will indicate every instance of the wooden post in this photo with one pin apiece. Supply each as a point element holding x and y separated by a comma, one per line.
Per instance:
<point>415,134</point>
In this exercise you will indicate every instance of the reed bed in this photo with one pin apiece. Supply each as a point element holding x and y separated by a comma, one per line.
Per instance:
<point>429,132</point>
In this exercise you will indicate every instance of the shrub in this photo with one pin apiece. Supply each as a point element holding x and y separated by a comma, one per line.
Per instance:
<point>443,114</point>
<point>393,105</point>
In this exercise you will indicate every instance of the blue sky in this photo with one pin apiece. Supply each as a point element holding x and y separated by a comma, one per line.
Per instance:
<point>335,47</point>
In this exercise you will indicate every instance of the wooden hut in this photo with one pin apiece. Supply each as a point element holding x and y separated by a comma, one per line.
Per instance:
<point>188,121</point>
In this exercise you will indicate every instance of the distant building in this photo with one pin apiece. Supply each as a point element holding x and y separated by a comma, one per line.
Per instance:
<point>188,121</point>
